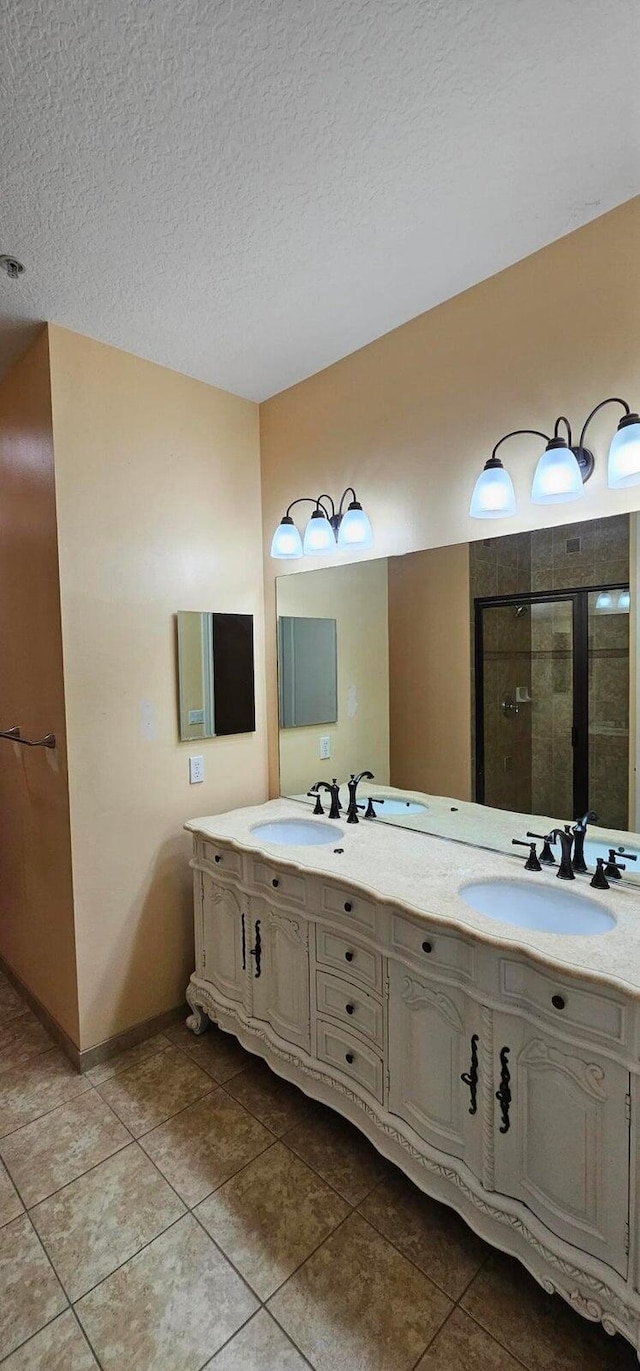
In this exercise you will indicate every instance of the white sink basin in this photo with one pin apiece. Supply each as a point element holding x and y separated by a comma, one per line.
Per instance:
<point>526,905</point>
<point>297,833</point>
<point>398,806</point>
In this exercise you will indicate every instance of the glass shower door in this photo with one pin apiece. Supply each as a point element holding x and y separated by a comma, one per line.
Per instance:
<point>608,673</point>
<point>525,706</point>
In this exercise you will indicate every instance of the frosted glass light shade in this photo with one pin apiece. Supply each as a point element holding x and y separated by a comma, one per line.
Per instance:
<point>286,541</point>
<point>355,529</point>
<point>604,603</point>
<point>624,454</point>
<point>493,494</point>
<point>624,601</point>
<point>319,536</point>
<point>557,476</point>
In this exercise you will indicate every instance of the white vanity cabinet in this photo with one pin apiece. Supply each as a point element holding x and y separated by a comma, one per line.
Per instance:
<point>223,936</point>
<point>433,1043</point>
<point>501,1084</point>
<point>562,1139</point>
<point>279,972</point>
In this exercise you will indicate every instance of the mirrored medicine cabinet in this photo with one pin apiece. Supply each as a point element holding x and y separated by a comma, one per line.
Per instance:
<point>216,687</point>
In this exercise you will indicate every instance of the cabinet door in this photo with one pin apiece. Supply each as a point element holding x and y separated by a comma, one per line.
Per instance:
<point>565,1151</point>
<point>431,1027</point>
<point>224,939</point>
<point>279,962</point>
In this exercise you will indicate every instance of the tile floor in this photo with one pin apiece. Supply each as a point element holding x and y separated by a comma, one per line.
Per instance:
<point>181,1208</point>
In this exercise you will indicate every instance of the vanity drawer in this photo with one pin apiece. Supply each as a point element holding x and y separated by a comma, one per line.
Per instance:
<point>563,1001</point>
<point>342,1000</point>
<point>287,885</point>
<point>348,956</point>
<point>350,1056</point>
<point>360,912</point>
<point>224,859</point>
<point>433,948</point>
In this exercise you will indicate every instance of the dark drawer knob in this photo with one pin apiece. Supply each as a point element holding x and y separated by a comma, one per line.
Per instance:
<point>426,946</point>
<point>217,857</point>
<point>350,1008</point>
<point>348,906</point>
<point>348,1057</point>
<point>275,882</point>
<point>557,1001</point>
<point>348,956</point>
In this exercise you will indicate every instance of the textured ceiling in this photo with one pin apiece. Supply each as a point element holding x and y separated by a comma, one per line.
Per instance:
<point>246,190</point>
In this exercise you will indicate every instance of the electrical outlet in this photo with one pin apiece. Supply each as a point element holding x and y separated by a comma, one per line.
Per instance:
<point>196,770</point>
<point>325,747</point>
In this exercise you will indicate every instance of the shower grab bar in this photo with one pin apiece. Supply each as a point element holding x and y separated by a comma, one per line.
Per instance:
<point>13,734</point>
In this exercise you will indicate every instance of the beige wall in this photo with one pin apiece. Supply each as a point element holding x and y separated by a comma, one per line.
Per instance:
<point>158,496</point>
<point>36,897</point>
<point>410,419</point>
<point>356,597</point>
<point>430,672</point>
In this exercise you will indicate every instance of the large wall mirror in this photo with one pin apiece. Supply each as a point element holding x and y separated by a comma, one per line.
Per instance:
<point>490,687</point>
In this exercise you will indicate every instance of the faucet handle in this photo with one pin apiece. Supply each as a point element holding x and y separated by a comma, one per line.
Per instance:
<point>546,839</point>
<point>317,808</point>
<point>612,868</point>
<point>532,863</point>
<point>599,880</point>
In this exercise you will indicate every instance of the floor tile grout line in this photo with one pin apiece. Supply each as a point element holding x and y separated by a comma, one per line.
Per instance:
<point>205,1094</point>
<point>25,1341</point>
<point>46,1112</point>
<point>29,1207</point>
<point>234,1175</point>
<point>433,1337</point>
<point>86,1075</point>
<point>85,1335</point>
<point>494,1338</point>
<point>411,1261</point>
<point>94,1167</point>
<point>74,1303</point>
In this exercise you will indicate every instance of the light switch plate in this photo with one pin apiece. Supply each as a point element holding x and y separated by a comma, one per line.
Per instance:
<point>196,770</point>
<point>325,747</point>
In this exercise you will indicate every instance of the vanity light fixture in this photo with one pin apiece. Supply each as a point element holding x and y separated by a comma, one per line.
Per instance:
<point>564,467</point>
<point>346,529</point>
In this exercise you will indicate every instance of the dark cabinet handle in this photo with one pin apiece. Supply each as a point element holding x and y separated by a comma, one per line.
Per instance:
<point>348,956</point>
<point>557,1001</point>
<point>348,906</point>
<point>275,882</point>
<point>470,1077</point>
<point>244,945</point>
<point>217,857</point>
<point>503,1095</point>
<point>348,1056</point>
<point>256,951</point>
<point>427,946</point>
<point>349,1008</point>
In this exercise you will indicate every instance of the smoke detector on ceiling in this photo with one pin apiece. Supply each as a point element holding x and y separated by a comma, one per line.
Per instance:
<point>11,265</point>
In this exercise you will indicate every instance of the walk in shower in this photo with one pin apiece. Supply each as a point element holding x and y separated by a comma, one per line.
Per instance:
<point>552,687</point>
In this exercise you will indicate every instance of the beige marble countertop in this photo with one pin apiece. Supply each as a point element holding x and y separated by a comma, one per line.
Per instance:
<point>423,873</point>
<point>465,821</point>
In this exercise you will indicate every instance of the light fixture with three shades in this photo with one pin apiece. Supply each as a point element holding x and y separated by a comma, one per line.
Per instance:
<point>562,469</point>
<point>328,530</point>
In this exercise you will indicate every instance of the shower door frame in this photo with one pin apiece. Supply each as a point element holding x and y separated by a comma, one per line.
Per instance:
<point>578,597</point>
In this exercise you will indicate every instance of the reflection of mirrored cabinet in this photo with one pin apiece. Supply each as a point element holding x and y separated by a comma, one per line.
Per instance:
<point>500,1084</point>
<point>307,671</point>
